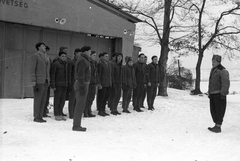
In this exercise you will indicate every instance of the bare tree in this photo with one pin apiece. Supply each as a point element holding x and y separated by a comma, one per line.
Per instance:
<point>209,31</point>
<point>157,15</point>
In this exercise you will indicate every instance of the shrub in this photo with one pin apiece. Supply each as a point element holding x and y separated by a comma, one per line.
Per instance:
<point>180,80</point>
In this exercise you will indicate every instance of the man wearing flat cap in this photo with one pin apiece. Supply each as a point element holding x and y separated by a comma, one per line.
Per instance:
<point>218,87</point>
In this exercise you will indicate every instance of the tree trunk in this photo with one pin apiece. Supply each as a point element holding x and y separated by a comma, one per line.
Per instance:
<point>198,74</point>
<point>162,90</point>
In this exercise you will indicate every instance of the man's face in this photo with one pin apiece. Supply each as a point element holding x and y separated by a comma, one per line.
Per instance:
<point>215,63</point>
<point>130,63</point>
<point>88,52</point>
<point>119,58</point>
<point>141,59</point>
<point>63,57</point>
<point>145,59</point>
<point>78,54</point>
<point>155,60</point>
<point>42,48</point>
<point>94,56</point>
<point>105,57</point>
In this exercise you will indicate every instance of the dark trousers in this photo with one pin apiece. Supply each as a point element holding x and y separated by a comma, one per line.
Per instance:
<point>71,102</point>
<point>59,100</point>
<point>151,94</point>
<point>81,98</point>
<point>115,96</point>
<point>102,97</point>
<point>127,95</point>
<point>144,96</point>
<point>40,96</point>
<point>217,108</point>
<point>47,101</point>
<point>138,95</point>
<point>90,98</point>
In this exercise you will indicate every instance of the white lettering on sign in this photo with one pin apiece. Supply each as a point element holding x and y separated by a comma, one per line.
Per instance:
<point>14,3</point>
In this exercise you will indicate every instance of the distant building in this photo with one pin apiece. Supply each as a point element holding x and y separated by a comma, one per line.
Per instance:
<point>71,23</point>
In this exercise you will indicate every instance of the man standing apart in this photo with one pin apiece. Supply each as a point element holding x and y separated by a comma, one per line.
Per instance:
<point>83,76</point>
<point>152,82</point>
<point>218,89</point>
<point>40,78</point>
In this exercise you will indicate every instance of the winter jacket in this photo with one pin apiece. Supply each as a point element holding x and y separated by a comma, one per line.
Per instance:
<point>71,71</point>
<point>93,64</point>
<point>117,71</point>
<point>140,72</point>
<point>59,74</point>
<point>83,70</point>
<point>152,73</point>
<point>219,81</point>
<point>128,76</point>
<point>104,73</point>
<point>40,68</point>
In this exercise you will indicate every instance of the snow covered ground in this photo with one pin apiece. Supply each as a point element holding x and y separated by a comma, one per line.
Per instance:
<point>175,131</point>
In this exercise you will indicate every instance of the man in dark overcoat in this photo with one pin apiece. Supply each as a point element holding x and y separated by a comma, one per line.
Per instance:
<point>128,83</point>
<point>115,94</point>
<point>104,83</point>
<point>140,73</point>
<point>59,83</point>
<point>152,81</point>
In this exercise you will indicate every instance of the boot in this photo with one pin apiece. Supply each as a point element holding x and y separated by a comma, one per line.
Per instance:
<point>58,118</point>
<point>62,118</point>
<point>79,128</point>
<point>215,129</point>
<point>91,115</point>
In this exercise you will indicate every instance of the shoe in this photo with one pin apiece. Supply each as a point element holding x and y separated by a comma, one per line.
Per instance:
<point>215,129</point>
<point>106,114</point>
<point>85,115</point>
<point>139,110</point>
<point>79,128</point>
<point>126,111</point>
<point>58,118</point>
<point>63,114</point>
<point>101,114</point>
<point>142,107</point>
<point>91,115</point>
<point>39,120</point>
<point>71,117</point>
<point>62,118</point>
<point>118,113</point>
<point>114,113</point>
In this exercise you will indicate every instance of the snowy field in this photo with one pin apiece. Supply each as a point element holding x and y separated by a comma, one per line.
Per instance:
<point>175,131</point>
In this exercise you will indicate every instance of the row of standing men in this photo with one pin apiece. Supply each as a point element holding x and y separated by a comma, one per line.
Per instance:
<point>79,79</point>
